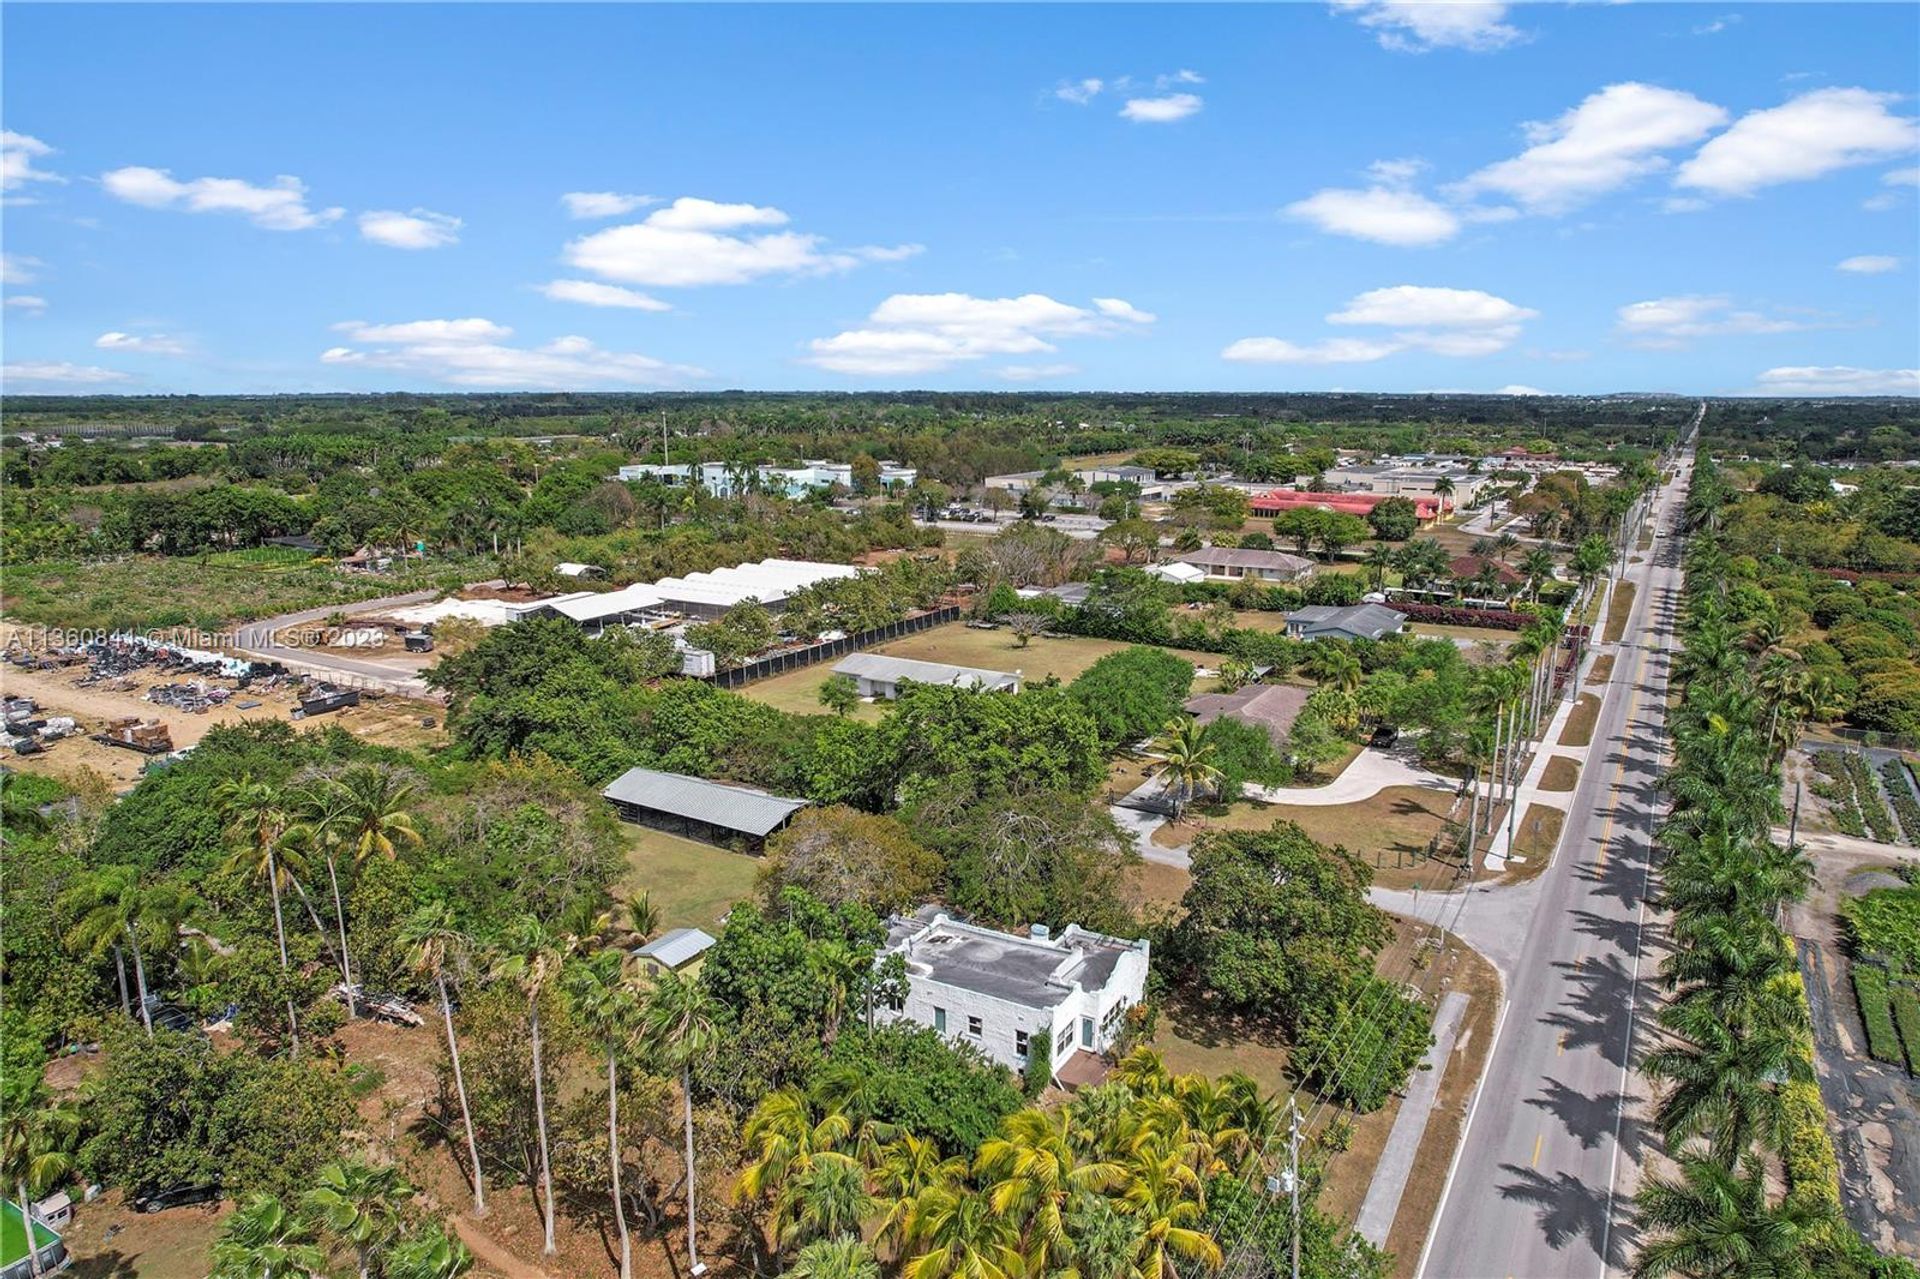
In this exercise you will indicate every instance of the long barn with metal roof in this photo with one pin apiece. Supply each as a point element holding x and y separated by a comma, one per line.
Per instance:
<point>712,812</point>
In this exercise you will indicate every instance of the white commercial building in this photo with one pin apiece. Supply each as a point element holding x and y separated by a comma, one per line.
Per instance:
<point>725,479</point>
<point>997,991</point>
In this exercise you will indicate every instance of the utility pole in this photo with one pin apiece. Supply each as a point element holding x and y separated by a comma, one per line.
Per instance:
<point>1293,1175</point>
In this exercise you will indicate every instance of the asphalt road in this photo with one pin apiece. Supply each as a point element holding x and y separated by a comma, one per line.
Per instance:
<point>1541,1187</point>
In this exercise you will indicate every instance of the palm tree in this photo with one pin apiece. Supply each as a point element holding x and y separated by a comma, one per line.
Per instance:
<point>826,1200</point>
<point>435,945</point>
<point>1163,1195</point>
<point>907,1168</point>
<point>838,968</point>
<point>37,1136</point>
<point>262,1240</point>
<point>1189,757</point>
<point>603,1002</point>
<point>1504,546</point>
<point>1031,1171</point>
<point>314,828</point>
<point>1443,489</point>
<point>255,822</point>
<point>1726,1086</point>
<point>111,904</point>
<point>429,1254</point>
<point>1537,566</point>
<point>1716,1223</point>
<point>678,1022</point>
<point>362,812</point>
<point>531,958</point>
<point>960,1237</point>
<point>1380,557</point>
<point>359,1204</point>
<point>843,1258</point>
<point>1335,666</point>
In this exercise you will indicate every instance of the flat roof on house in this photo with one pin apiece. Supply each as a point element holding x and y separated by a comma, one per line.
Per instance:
<point>676,947</point>
<point>1241,557</point>
<point>878,666</point>
<point>1034,972</point>
<point>722,804</point>
<point>1273,707</point>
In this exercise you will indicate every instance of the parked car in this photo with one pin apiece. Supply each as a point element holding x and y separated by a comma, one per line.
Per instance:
<point>175,1197</point>
<point>1384,736</point>
<point>168,1016</point>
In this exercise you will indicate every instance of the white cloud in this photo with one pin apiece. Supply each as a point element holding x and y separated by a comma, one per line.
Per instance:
<point>1382,214</point>
<point>418,229</point>
<point>147,344</point>
<point>1518,389</point>
<point>1838,379</point>
<point>280,207</point>
<point>1719,24</point>
<point>1902,177</point>
<point>695,242</point>
<point>1808,137</point>
<point>473,352</point>
<point>1037,372</point>
<point>603,204</point>
<point>1415,26</point>
<point>18,268</point>
<point>1330,351</point>
<point>1458,323</point>
<point>18,151</point>
<point>1080,92</point>
<point>912,333</point>
<point>593,293</point>
<point>27,302</point>
<point>59,373</point>
<point>1869,264</point>
<point>1413,304</point>
<point>1164,110</point>
<point>1611,138</point>
<point>1669,323</point>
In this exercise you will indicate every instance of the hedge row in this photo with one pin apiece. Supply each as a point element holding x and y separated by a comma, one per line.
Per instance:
<point>1872,810</point>
<point>1876,1011</point>
<point>1499,619</point>
<point>1806,1155</point>
<point>1906,1019</point>
<point>1894,774</point>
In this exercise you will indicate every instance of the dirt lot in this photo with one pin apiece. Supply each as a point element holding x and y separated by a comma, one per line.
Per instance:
<point>390,721</point>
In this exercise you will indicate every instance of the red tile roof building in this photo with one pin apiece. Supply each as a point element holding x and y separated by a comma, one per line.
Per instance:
<point>1278,501</point>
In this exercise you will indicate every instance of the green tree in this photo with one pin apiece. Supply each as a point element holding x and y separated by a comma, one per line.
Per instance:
<point>1715,1222</point>
<point>360,1205</point>
<point>262,1240</point>
<point>255,821</point>
<point>531,958</point>
<point>678,1025</point>
<point>839,694</point>
<point>1189,759</point>
<point>604,1003</point>
<point>436,946</point>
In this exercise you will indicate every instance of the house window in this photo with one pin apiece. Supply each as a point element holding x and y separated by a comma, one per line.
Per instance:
<point>1020,1044</point>
<point>974,1027</point>
<point>940,1020</point>
<point>1086,1032</point>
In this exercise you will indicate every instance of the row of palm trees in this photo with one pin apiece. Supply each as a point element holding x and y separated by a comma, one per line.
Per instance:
<point>1737,1040</point>
<point>1110,1185</point>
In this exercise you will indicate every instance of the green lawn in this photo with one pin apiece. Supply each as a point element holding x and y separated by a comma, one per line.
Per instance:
<point>692,884</point>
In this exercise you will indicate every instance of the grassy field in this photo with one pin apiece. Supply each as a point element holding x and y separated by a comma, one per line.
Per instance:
<point>961,645</point>
<point>1384,830</point>
<point>1535,838</point>
<point>1579,729</point>
<point>1561,773</point>
<point>209,592</point>
<point>1619,611</point>
<point>693,885</point>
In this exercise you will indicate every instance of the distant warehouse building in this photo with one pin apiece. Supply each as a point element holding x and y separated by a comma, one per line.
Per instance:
<point>712,812</point>
<point>881,676</point>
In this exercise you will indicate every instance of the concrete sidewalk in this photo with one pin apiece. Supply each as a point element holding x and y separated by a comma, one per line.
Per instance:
<point>1395,1166</point>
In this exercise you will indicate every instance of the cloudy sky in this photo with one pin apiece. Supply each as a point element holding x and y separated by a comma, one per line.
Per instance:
<point>1372,194</point>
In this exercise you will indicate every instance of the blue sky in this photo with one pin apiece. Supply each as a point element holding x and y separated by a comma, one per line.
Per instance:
<point>1372,194</point>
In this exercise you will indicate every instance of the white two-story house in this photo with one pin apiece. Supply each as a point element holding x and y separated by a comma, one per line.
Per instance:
<point>997,991</point>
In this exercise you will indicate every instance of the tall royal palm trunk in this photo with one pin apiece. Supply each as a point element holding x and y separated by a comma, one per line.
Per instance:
<point>540,1117</point>
<point>613,1161</point>
<point>120,970</point>
<point>280,931</point>
<point>466,1114</point>
<point>686,1102</point>
<point>26,1219</point>
<point>140,980</point>
<point>340,921</point>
